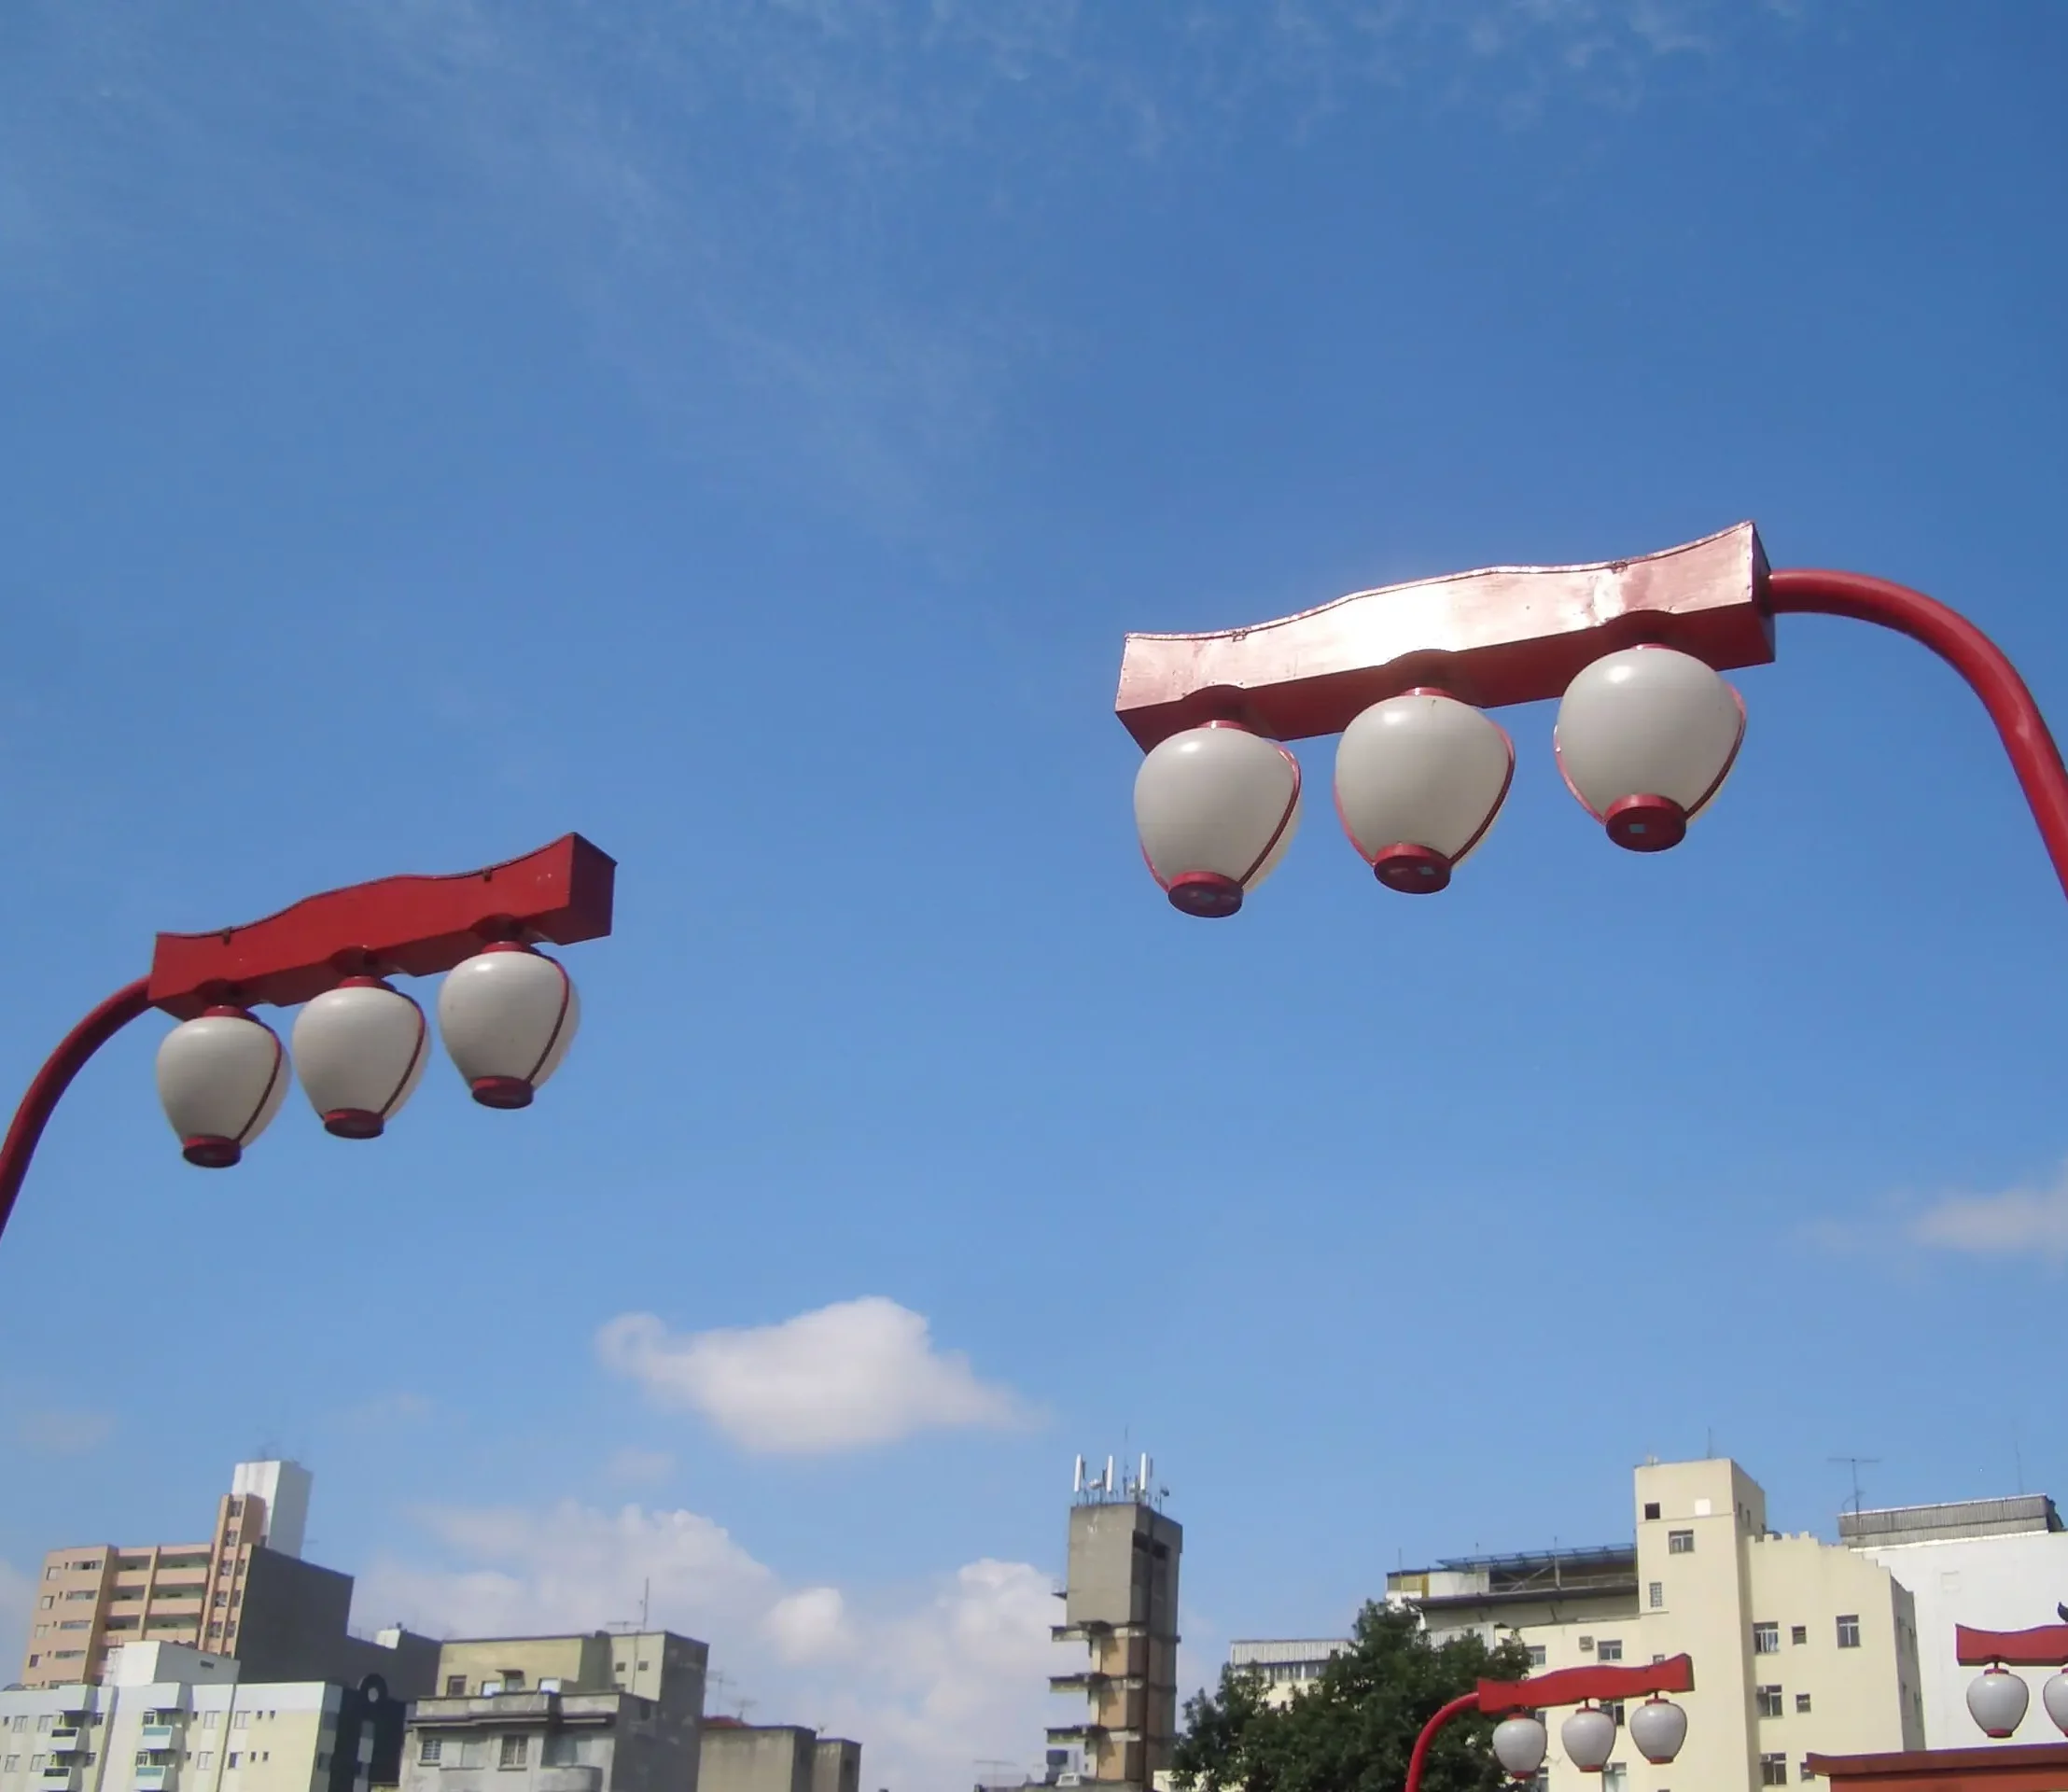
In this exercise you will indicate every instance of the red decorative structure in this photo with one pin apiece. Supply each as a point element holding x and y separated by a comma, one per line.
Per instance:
<point>1563,1687</point>
<point>413,926</point>
<point>2026,1767</point>
<point>2046,1645</point>
<point>1522,634</point>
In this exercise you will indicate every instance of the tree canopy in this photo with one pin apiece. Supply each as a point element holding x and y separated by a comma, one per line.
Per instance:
<point>1352,1729</point>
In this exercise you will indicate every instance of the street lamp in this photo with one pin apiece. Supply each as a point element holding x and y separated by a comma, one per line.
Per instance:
<point>507,1011</point>
<point>1647,730</point>
<point>1996,1698</point>
<point>1657,1727</point>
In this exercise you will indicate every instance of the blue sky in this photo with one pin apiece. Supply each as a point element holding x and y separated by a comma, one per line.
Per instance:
<point>743,433</point>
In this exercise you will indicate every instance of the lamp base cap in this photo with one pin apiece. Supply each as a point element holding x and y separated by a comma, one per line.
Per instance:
<point>354,1123</point>
<point>1205,893</point>
<point>211,1151</point>
<point>1645,823</point>
<point>1414,871</point>
<point>502,1091</point>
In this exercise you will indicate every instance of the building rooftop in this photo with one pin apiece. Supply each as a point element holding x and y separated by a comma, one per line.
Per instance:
<point>1945,1524</point>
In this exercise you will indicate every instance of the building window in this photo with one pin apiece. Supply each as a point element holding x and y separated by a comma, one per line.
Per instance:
<point>1680,1543</point>
<point>1798,1634</point>
<point>514,1680</point>
<point>560,1750</point>
<point>1655,1595</point>
<point>514,1751</point>
<point>1615,1777</point>
<point>1651,1508</point>
<point>1536,1655</point>
<point>455,1686</point>
<point>1848,1631</point>
<point>233,1759</point>
<point>1608,1649</point>
<point>428,1748</point>
<point>1773,1769</point>
<point>36,1763</point>
<point>1802,1701</point>
<point>1766,1639</point>
<point>1770,1701</point>
<point>205,1758</point>
<point>1806,1772</point>
<point>12,1763</point>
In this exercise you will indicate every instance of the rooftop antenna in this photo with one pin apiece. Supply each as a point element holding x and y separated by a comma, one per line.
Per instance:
<point>646,1594</point>
<point>1854,1462</point>
<point>1077,1483</point>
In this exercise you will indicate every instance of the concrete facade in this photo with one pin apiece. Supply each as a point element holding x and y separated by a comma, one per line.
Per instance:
<point>1121,1602</point>
<point>167,1718</point>
<point>599,1712</point>
<point>281,1618</point>
<point>1992,1564</point>
<point>1799,1646</point>
<point>835,1765</point>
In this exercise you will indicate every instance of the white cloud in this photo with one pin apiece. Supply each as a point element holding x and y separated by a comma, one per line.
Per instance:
<point>844,1376</point>
<point>930,1679</point>
<point>809,1626</point>
<point>2018,1222</point>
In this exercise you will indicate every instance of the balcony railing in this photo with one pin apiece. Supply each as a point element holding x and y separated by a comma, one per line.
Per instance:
<point>156,1778</point>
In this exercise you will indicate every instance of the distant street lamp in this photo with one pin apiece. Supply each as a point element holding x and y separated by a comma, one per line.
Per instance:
<point>506,1011</point>
<point>1647,730</point>
<point>1997,1698</point>
<point>1657,1727</point>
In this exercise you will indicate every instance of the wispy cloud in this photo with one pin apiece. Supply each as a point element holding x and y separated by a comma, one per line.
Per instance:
<point>738,198</point>
<point>846,1377</point>
<point>2029,1221</point>
<point>55,1433</point>
<point>932,1678</point>
<point>2017,1222</point>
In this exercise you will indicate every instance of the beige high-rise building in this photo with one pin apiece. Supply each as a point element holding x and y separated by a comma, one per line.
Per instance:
<point>1798,1646</point>
<point>1121,1602</point>
<point>243,1592</point>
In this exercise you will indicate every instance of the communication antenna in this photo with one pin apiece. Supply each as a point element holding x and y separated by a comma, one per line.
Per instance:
<point>1077,1484</point>
<point>646,1594</point>
<point>1109,1485</point>
<point>1854,1462</point>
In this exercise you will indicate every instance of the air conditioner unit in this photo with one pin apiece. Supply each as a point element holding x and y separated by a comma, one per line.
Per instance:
<point>1586,1645</point>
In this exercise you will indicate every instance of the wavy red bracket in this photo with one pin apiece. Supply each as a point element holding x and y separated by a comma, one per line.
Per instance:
<point>1499,636</point>
<point>407,925</point>
<point>2046,1645</point>
<point>1570,1686</point>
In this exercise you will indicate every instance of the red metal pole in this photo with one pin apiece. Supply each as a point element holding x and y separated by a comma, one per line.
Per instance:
<point>1464,1703</point>
<point>2034,755</point>
<point>55,1077</point>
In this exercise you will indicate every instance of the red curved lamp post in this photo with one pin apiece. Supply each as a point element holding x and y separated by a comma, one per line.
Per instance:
<point>1523,634</point>
<point>1545,1692</point>
<point>411,926</point>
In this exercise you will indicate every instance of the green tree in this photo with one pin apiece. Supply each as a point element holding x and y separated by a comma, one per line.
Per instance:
<point>1352,1729</point>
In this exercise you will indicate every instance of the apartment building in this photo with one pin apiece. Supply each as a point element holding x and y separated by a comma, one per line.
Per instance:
<point>597,1712</point>
<point>243,1592</point>
<point>1285,1665</point>
<point>1799,1646</point>
<point>1999,1564</point>
<point>738,1756</point>
<point>168,1718</point>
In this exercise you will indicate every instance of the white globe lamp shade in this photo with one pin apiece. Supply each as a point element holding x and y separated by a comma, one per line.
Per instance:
<point>1216,808</point>
<point>2054,1696</point>
<point>1996,1700</point>
<point>1589,1739</point>
<point>1658,1727</point>
<point>221,1078</point>
<point>508,1015</point>
<point>1519,1745</point>
<point>1419,781</point>
<point>361,1049</point>
<point>1645,739</point>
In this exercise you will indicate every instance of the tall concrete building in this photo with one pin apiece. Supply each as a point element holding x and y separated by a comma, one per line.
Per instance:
<point>594,1712</point>
<point>1799,1646</point>
<point>243,1592</point>
<point>167,1718</point>
<point>1121,1602</point>
<point>1992,1564</point>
